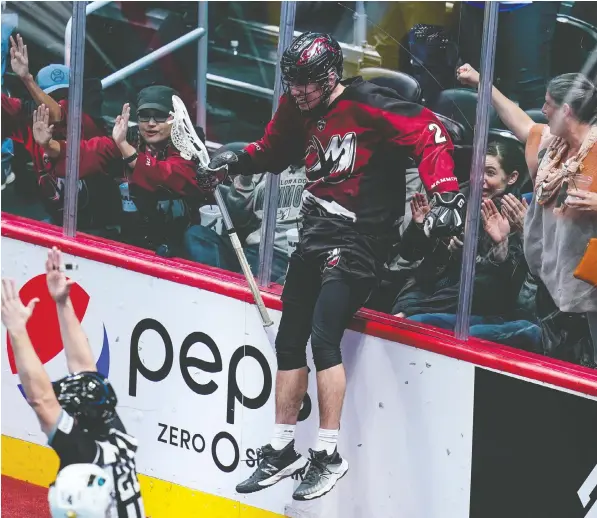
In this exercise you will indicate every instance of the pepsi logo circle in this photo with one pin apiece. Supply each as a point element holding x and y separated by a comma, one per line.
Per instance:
<point>44,329</point>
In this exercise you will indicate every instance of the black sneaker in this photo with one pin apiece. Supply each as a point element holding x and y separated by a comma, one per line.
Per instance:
<point>274,466</point>
<point>324,471</point>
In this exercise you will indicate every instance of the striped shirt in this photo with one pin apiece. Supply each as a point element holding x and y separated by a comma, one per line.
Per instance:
<point>114,452</point>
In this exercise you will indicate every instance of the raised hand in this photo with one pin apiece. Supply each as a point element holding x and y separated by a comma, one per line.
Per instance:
<point>58,285</point>
<point>122,125</point>
<point>515,211</point>
<point>467,75</point>
<point>14,313</point>
<point>495,224</point>
<point>19,58</point>
<point>419,207</point>
<point>42,131</point>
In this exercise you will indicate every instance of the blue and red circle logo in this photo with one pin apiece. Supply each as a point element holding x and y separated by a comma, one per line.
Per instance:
<point>44,329</point>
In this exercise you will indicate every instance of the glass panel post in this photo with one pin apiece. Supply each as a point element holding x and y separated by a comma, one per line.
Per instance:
<point>272,186</point>
<point>202,66</point>
<point>473,213</point>
<point>75,112</point>
<point>360,24</point>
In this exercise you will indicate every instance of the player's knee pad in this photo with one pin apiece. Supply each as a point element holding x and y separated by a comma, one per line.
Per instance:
<point>326,354</point>
<point>290,356</point>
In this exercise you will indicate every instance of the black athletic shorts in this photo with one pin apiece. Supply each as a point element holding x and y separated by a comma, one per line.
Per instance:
<point>324,288</point>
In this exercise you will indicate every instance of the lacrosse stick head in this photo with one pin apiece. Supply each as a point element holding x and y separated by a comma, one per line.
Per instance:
<point>184,137</point>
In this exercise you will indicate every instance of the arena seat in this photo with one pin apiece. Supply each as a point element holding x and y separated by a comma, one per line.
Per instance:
<point>406,86</point>
<point>460,105</point>
<point>572,33</point>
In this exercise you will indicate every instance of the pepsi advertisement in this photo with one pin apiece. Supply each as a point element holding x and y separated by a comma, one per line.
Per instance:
<point>44,329</point>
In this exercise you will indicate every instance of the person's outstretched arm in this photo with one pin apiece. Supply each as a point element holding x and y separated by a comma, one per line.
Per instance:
<point>512,115</point>
<point>19,60</point>
<point>43,132</point>
<point>34,379</point>
<point>79,356</point>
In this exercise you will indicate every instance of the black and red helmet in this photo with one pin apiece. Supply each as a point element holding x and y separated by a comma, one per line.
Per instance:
<point>309,59</point>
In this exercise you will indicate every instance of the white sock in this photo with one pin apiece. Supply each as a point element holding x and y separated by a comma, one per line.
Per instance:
<point>327,440</point>
<point>283,436</point>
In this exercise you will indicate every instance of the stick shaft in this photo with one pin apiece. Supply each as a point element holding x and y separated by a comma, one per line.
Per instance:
<point>240,253</point>
<point>200,152</point>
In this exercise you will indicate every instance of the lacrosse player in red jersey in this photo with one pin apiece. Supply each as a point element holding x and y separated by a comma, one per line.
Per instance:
<point>356,139</point>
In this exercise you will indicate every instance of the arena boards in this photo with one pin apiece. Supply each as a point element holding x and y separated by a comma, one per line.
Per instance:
<point>431,427</point>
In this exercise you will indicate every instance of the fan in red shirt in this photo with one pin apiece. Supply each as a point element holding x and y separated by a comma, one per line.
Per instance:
<point>356,139</point>
<point>50,88</point>
<point>158,188</point>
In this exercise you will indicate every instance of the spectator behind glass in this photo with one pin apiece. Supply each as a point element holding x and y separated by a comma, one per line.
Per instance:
<point>245,201</point>
<point>51,90</point>
<point>162,185</point>
<point>556,235</point>
<point>158,188</point>
<point>98,205</point>
<point>9,22</point>
<point>431,295</point>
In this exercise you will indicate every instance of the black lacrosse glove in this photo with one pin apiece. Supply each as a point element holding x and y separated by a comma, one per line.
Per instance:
<point>236,162</point>
<point>228,163</point>
<point>446,217</point>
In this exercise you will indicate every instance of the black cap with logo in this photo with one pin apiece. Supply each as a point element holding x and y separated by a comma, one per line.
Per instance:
<point>156,97</point>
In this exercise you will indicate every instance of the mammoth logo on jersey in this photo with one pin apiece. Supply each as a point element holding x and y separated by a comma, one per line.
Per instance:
<point>335,163</point>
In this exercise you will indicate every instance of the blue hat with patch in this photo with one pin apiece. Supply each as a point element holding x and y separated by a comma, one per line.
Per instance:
<point>53,77</point>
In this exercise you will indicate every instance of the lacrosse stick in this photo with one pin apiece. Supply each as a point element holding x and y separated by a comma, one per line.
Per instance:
<point>185,139</point>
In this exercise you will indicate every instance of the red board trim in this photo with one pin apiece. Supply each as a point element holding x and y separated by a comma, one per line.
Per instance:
<point>478,352</point>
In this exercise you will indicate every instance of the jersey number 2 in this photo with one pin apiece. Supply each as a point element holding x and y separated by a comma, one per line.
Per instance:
<point>439,138</point>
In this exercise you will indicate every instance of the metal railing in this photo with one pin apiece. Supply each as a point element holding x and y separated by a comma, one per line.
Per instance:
<point>589,29</point>
<point>240,86</point>
<point>150,58</point>
<point>211,79</point>
<point>353,53</point>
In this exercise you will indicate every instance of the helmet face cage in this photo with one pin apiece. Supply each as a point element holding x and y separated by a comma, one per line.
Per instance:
<point>322,80</point>
<point>312,58</point>
<point>87,396</point>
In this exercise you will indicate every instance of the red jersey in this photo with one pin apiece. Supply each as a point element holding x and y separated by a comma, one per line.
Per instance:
<point>356,155</point>
<point>17,125</point>
<point>152,172</point>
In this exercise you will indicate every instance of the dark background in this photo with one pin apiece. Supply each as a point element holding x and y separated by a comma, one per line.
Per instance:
<point>533,447</point>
